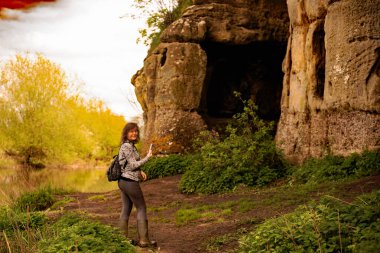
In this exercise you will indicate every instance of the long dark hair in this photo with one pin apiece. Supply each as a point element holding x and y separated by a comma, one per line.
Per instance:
<point>128,127</point>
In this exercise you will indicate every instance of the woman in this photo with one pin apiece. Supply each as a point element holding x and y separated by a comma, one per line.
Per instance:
<point>129,184</point>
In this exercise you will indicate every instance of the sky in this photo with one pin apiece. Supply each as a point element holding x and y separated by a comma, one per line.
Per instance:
<point>92,40</point>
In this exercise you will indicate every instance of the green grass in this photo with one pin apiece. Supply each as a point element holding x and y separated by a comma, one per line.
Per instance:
<point>172,204</point>
<point>206,213</point>
<point>61,203</point>
<point>213,212</point>
<point>98,198</point>
<point>218,243</point>
<point>184,216</point>
<point>277,198</point>
<point>226,212</point>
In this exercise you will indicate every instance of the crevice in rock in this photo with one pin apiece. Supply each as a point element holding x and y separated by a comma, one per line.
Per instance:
<point>163,57</point>
<point>375,69</point>
<point>254,70</point>
<point>372,86</point>
<point>320,51</point>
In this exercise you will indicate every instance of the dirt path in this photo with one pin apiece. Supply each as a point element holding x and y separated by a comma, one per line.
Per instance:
<point>224,217</point>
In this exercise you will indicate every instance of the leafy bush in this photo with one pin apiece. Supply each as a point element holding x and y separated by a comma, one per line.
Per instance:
<point>337,167</point>
<point>11,220</point>
<point>331,226</point>
<point>38,200</point>
<point>167,166</point>
<point>76,233</point>
<point>247,155</point>
<point>368,163</point>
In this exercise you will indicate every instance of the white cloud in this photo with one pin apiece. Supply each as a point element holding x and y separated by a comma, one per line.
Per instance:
<point>88,38</point>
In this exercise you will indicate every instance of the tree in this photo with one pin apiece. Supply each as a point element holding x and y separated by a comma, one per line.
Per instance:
<point>35,121</point>
<point>102,125</point>
<point>43,117</point>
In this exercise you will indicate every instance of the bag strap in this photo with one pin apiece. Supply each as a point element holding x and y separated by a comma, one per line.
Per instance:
<point>126,162</point>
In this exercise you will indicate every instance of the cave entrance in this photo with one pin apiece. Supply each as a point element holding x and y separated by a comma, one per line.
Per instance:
<point>254,70</point>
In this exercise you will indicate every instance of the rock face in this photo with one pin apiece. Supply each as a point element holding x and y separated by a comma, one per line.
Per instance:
<point>169,90</point>
<point>331,88</point>
<point>215,48</point>
<point>313,66</point>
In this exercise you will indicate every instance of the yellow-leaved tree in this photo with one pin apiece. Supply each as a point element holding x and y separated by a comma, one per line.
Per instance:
<point>103,126</point>
<point>43,117</point>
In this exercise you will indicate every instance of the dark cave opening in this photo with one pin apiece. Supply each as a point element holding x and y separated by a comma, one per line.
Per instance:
<point>254,70</point>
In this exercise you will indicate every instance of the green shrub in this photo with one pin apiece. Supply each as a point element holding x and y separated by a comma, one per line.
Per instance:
<point>76,233</point>
<point>158,167</point>
<point>368,163</point>
<point>337,167</point>
<point>11,220</point>
<point>38,200</point>
<point>247,155</point>
<point>331,226</point>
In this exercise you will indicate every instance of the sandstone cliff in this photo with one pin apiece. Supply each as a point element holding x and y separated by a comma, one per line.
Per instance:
<point>331,87</point>
<point>310,65</point>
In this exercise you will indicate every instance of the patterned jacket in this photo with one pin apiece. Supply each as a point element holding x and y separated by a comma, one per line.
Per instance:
<point>128,152</point>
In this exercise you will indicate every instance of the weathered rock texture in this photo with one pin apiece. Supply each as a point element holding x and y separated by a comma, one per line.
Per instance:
<point>169,90</point>
<point>325,97</point>
<point>215,48</point>
<point>331,89</point>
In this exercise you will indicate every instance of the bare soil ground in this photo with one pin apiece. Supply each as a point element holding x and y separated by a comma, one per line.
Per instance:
<point>226,217</point>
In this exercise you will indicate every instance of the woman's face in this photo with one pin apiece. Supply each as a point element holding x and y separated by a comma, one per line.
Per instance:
<point>133,134</point>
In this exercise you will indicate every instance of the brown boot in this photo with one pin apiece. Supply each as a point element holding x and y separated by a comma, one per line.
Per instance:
<point>142,229</point>
<point>124,228</point>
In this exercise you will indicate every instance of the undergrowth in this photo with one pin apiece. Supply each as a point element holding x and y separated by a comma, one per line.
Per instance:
<point>11,220</point>
<point>76,233</point>
<point>27,227</point>
<point>38,200</point>
<point>330,226</point>
<point>330,167</point>
<point>247,155</point>
<point>159,167</point>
